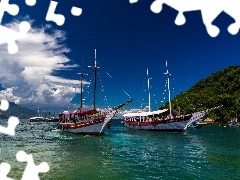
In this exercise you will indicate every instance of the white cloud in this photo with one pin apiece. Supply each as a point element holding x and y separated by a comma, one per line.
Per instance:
<point>27,75</point>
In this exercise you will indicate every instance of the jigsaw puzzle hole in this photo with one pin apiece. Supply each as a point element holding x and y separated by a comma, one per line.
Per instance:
<point>4,105</point>
<point>233,28</point>
<point>24,27</point>
<point>156,7</point>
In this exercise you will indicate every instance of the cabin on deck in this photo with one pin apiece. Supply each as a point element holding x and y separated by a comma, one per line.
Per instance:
<point>158,115</point>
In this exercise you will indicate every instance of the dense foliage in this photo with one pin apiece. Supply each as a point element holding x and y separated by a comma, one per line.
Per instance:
<point>221,88</point>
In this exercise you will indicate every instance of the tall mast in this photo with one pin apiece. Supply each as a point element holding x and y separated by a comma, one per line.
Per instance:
<point>95,79</point>
<point>169,97</point>
<point>148,78</point>
<point>81,89</point>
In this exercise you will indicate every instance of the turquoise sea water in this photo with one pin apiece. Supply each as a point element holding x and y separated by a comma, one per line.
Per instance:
<point>211,152</point>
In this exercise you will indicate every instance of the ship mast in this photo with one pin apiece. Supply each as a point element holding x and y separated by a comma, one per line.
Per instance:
<point>81,89</point>
<point>148,78</point>
<point>169,97</point>
<point>95,80</point>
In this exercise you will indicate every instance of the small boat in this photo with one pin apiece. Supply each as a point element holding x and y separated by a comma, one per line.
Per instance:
<point>194,126</point>
<point>197,124</point>
<point>200,122</point>
<point>52,119</point>
<point>36,119</point>
<point>234,123</point>
<point>88,122</point>
<point>161,120</point>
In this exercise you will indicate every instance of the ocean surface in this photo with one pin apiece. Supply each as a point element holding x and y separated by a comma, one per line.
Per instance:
<point>210,152</point>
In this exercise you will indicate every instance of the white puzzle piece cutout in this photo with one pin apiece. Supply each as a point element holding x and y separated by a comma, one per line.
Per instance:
<point>12,124</point>
<point>12,9</point>
<point>4,170</point>
<point>133,1</point>
<point>4,105</point>
<point>210,10</point>
<point>9,36</point>
<point>31,171</point>
<point>30,2</point>
<point>12,121</point>
<point>76,11</point>
<point>59,19</point>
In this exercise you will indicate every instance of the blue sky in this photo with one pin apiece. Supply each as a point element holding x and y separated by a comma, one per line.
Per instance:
<point>128,37</point>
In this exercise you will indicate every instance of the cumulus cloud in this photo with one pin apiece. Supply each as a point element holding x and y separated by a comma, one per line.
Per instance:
<point>27,75</point>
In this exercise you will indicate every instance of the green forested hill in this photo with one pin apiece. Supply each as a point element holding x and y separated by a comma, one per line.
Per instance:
<point>18,111</point>
<point>221,88</point>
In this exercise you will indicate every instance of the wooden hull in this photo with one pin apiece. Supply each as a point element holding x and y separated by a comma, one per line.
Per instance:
<point>172,125</point>
<point>158,126</point>
<point>95,126</point>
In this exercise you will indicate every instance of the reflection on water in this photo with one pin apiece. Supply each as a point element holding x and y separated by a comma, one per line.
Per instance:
<point>211,152</point>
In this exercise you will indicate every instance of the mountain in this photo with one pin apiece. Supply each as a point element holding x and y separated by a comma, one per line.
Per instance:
<point>220,88</point>
<point>18,111</point>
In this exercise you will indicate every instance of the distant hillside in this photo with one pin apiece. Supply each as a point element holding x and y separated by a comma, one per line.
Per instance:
<point>18,111</point>
<point>221,88</point>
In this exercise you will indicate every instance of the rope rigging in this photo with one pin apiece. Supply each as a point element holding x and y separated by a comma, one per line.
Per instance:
<point>118,84</point>
<point>142,97</point>
<point>155,99</point>
<point>95,80</point>
<point>174,94</point>
<point>165,90</point>
<point>185,97</point>
<point>103,93</point>
<point>89,92</point>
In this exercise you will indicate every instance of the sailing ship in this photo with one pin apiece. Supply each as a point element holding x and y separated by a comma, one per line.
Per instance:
<point>161,120</point>
<point>92,121</point>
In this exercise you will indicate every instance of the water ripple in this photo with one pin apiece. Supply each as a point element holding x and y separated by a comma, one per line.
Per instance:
<point>211,152</point>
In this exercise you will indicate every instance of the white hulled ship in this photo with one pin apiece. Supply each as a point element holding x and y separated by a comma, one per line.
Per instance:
<point>88,122</point>
<point>161,120</point>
